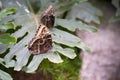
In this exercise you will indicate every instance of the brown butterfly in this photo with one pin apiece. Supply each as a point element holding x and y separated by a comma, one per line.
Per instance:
<point>48,18</point>
<point>42,42</point>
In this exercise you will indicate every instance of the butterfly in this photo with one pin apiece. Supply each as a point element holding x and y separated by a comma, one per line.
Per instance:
<point>48,17</point>
<point>42,42</point>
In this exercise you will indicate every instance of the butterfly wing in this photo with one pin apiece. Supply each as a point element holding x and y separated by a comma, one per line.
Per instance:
<point>42,42</point>
<point>48,18</point>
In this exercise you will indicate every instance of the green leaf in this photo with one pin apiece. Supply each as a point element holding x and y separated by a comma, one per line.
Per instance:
<point>86,12</point>
<point>8,25</point>
<point>23,53</point>
<point>54,57</point>
<point>6,12</point>
<point>20,49</point>
<point>22,58</point>
<point>1,61</point>
<point>7,39</point>
<point>34,63</point>
<point>10,64</point>
<point>66,52</point>
<point>3,48</point>
<point>37,59</point>
<point>116,3</point>
<point>68,39</point>
<point>62,6</point>
<point>5,76</point>
<point>116,17</point>
<point>72,25</point>
<point>20,52</point>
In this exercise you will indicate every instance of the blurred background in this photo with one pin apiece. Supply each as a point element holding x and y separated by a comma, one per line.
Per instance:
<point>98,24</point>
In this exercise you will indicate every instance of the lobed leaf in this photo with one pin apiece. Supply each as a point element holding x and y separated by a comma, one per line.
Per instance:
<point>68,39</point>
<point>61,6</point>
<point>72,25</point>
<point>66,52</point>
<point>28,29</point>
<point>10,64</point>
<point>3,48</point>
<point>5,76</point>
<point>22,58</point>
<point>86,12</point>
<point>116,17</point>
<point>37,59</point>
<point>116,3</point>
<point>34,63</point>
<point>1,61</point>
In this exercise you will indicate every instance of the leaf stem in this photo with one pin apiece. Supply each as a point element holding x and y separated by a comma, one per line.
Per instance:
<point>34,15</point>
<point>29,6</point>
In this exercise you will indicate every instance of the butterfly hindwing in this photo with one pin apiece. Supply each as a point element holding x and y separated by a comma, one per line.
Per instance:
<point>48,18</point>
<point>42,42</point>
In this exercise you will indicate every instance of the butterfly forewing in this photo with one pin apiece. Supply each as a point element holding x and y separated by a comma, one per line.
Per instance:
<point>48,18</point>
<point>42,42</point>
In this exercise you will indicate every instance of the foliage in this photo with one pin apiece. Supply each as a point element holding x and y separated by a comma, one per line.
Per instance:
<point>115,18</point>
<point>6,38</point>
<point>60,6</point>
<point>8,25</point>
<point>6,12</point>
<point>4,76</point>
<point>85,12</point>
<point>72,25</point>
<point>65,42</point>
<point>68,70</point>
